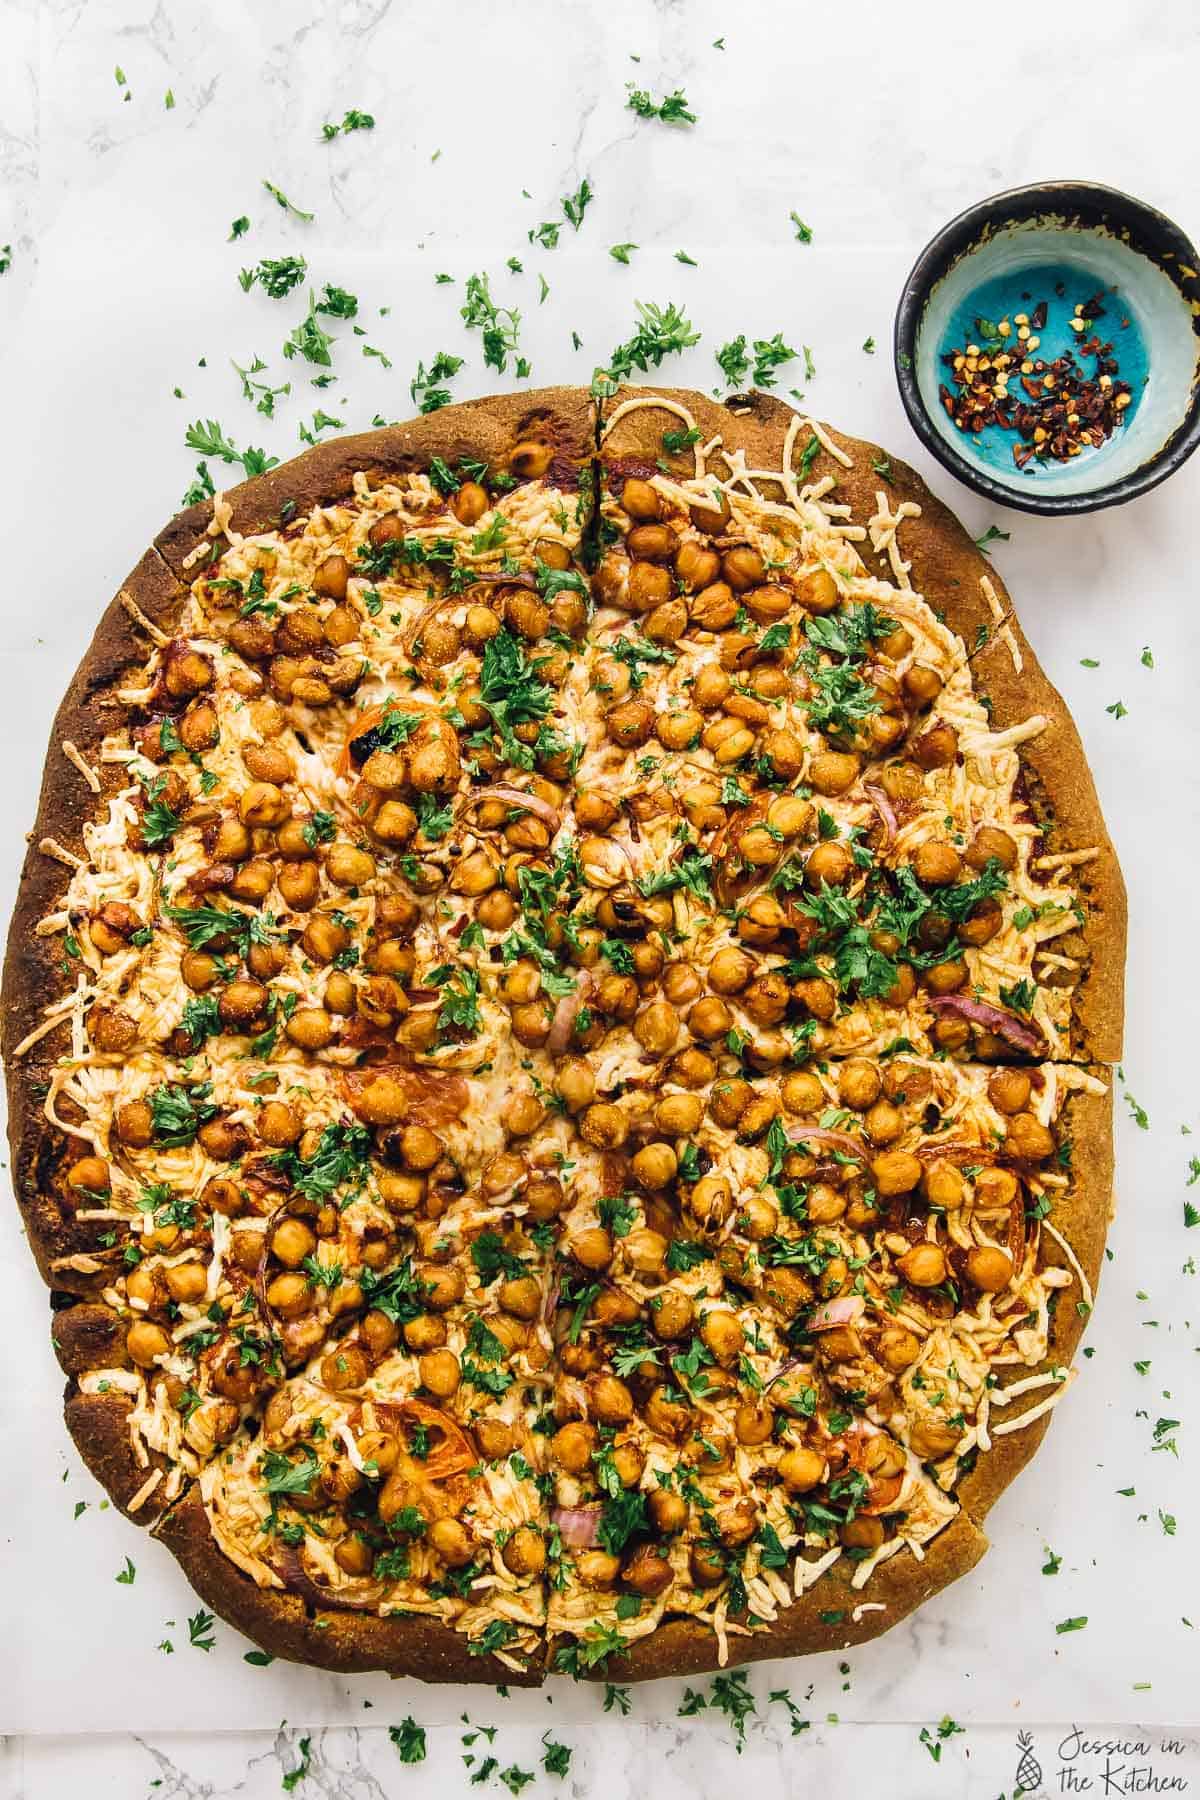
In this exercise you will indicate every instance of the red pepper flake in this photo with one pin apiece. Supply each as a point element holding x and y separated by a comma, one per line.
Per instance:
<point>1066,409</point>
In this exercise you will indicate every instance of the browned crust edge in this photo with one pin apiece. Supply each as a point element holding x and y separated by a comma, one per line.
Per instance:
<point>486,429</point>
<point>1059,787</point>
<point>32,964</point>
<point>98,1424</point>
<point>820,1619</point>
<point>283,1625</point>
<point>1082,1215</point>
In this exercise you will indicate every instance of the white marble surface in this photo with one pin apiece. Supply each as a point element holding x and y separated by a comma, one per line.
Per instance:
<point>875,124</point>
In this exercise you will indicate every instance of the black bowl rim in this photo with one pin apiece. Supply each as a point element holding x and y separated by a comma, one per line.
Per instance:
<point>1151,233</point>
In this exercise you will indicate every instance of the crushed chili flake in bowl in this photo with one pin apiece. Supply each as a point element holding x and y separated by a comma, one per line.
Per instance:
<point>1057,408</point>
<point>1047,347</point>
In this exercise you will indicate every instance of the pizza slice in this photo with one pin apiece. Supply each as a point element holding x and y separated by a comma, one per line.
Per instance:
<point>820,1356</point>
<point>921,861</point>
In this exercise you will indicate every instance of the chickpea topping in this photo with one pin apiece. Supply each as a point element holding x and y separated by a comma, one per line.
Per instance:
<point>924,1265</point>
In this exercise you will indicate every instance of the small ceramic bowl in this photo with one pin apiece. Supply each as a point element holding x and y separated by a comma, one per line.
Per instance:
<point>1047,250</point>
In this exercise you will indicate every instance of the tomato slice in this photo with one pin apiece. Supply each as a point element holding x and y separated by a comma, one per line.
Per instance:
<point>450,1453</point>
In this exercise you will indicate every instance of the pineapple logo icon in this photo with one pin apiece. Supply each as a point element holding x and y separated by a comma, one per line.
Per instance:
<point>1029,1770</point>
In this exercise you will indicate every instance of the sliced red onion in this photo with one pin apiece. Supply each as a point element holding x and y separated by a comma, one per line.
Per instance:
<point>499,580</point>
<point>295,1578</point>
<point>1006,1025</point>
<point>883,807</point>
<point>565,1015</point>
<point>796,1362</point>
<point>515,796</point>
<point>549,1304</point>
<point>844,1309</point>
<point>817,1134</point>
<point>578,1526</point>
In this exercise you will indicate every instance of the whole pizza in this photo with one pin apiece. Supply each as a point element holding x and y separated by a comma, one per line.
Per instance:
<point>556,1026</point>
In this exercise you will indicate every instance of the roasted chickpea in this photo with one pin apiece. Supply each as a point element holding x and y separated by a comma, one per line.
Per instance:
<point>311,1027</point>
<point>677,1115</point>
<point>469,503</point>
<point>819,592</point>
<point>348,866</point>
<point>696,567</point>
<point>680,983</point>
<point>671,1314</point>
<point>290,1296</point>
<point>640,499</point>
<point>833,772</point>
<point>722,1334</point>
<point>145,1343</point>
<point>936,864</point>
<point>1009,1090</point>
<point>591,1247</point>
<point>1028,1139</point>
<point>897,1348</point>
<point>883,1122</point>
<point>135,1123</point>
<point>571,1447</point>
<point>90,1176</point>
<point>440,1373</point>
<point>895,1172</point>
<point>937,748</point>
<point>111,1030</point>
<point>344,1367</point>
<point>521,1296</point>
<point>923,1266</point>
<point>800,1469</point>
<point>711,1202</point>
<point>597,1568</point>
<point>654,1166</point>
<point>645,1250</point>
<point>647,1572</point>
<point>943,1186</point>
<point>743,568</point>
<point>829,863</point>
<point>862,1533</point>
<point>604,1125</point>
<point>709,1019</point>
<point>291,1242</point>
<point>989,1269</point>
<point>989,841</point>
<point>446,1286</point>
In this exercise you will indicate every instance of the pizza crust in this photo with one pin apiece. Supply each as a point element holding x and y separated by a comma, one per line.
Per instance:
<point>1082,1215</point>
<point>950,571</point>
<point>1062,795</point>
<point>286,1626</point>
<point>486,430</point>
<point>896,1588</point>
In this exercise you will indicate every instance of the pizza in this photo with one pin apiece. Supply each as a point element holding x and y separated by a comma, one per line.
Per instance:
<point>557,1025</point>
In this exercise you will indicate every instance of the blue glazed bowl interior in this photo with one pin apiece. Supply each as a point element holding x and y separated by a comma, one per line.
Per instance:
<point>1146,318</point>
